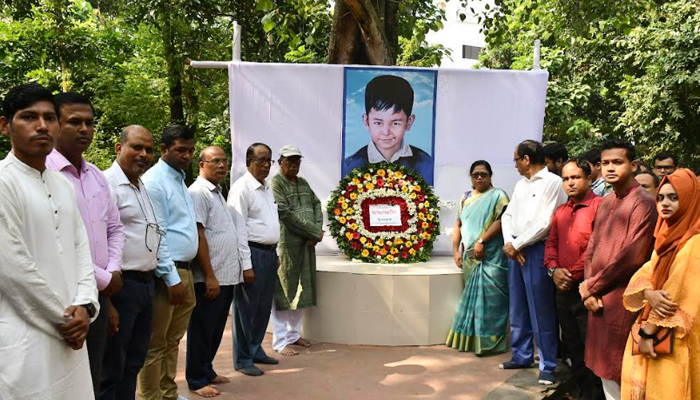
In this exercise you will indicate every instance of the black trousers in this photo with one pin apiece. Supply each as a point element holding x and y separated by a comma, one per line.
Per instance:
<point>204,333</point>
<point>96,342</point>
<point>127,348</point>
<point>573,318</point>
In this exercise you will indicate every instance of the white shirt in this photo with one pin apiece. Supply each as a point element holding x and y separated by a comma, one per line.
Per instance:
<point>45,266</point>
<point>374,156</point>
<point>219,225</point>
<point>255,214</point>
<point>136,213</point>
<point>528,215</point>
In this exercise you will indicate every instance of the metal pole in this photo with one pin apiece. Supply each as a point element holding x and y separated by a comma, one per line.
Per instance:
<point>209,64</point>
<point>236,54</point>
<point>538,52</point>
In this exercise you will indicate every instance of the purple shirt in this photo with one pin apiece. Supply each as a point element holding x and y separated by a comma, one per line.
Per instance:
<point>100,215</point>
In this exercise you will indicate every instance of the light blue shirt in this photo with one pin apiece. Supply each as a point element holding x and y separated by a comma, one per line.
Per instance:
<point>175,214</point>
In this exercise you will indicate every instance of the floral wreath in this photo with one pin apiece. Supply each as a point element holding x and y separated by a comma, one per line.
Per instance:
<point>381,185</point>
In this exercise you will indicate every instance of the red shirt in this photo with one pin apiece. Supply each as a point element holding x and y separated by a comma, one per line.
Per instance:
<point>571,228</point>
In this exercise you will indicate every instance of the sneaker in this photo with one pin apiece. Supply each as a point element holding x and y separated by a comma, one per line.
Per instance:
<point>547,378</point>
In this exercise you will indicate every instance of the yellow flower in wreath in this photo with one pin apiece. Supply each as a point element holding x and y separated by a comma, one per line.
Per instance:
<point>342,220</point>
<point>413,196</point>
<point>412,252</point>
<point>404,189</point>
<point>348,235</point>
<point>365,253</point>
<point>355,181</point>
<point>426,204</point>
<point>375,249</point>
<point>426,235</point>
<point>414,237</point>
<point>416,188</point>
<point>409,244</point>
<point>430,217</point>
<point>398,241</point>
<point>394,250</point>
<point>425,225</point>
<point>390,258</point>
<point>350,211</point>
<point>370,186</point>
<point>381,172</point>
<point>421,216</point>
<point>369,245</point>
<point>344,206</point>
<point>368,177</point>
<point>363,240</point>
<point>353,226</point>
<point>353,196</point>
<point>380,242</point>
<point>398,175</point>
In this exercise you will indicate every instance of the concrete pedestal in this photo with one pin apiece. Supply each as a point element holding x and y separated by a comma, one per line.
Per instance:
<point>383,305</point>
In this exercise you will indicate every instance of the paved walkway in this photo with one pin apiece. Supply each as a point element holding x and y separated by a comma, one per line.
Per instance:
<point>330,372</point>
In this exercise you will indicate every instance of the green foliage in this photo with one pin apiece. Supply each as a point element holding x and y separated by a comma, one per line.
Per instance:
<point>624,68</point>
<point>128,55</point>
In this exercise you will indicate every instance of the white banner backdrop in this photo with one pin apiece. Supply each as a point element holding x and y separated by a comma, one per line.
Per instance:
<point>480,114</point>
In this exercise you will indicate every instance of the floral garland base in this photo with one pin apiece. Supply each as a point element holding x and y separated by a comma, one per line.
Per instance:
<point>384,184</point>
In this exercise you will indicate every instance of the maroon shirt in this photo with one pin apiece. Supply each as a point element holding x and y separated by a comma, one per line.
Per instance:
<point>620,244</point>
<point>571,228</point>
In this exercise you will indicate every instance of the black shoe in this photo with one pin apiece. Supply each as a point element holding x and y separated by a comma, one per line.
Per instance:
<point>547,378</point>
<point>250,371</point>
<point>267,360</point>
<point>513,365</point>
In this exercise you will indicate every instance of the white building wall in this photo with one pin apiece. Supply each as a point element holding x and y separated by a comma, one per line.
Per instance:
<point>457,33</point>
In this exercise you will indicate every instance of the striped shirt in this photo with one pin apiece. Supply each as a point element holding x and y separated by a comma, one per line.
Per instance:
<point>220,231</point>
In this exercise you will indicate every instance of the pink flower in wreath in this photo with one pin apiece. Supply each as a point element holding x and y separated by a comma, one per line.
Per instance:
<point>356,235</point>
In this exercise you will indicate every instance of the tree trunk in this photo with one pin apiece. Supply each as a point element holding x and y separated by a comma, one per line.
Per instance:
<point>174,66</point>
<point>363,25</point>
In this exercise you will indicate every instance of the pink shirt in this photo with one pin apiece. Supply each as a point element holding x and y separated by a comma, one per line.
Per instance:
<point>99,213</point>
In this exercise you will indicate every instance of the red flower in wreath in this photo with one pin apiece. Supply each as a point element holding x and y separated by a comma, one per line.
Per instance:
<point>356,235</point>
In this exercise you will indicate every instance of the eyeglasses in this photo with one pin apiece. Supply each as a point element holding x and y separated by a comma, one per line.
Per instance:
<point>517,159</point>
<point>217,161</point>
<point>477,175</point>
<point>262,161</point>
<point>292,162</point>
<point>156,228</point>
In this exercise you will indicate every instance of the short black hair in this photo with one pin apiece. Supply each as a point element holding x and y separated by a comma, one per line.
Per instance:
<point>23,96</point>
<point>251,149</point>
<point>592,156</point>
<point>631,152</point>
<point>581,163</point>
<point>533,149</point>
<point>656,178</point>
<point>481,162</point>
<point>556,151</point>
<point>663,156</point>
<point>176,132</point>
<point>389,91</point>
<point>72,98</point>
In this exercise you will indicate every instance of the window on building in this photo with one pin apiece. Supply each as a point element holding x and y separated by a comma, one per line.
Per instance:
<point>471,52</point>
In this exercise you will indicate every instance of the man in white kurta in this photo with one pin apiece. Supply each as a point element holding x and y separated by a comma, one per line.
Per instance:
<point>45,267</point>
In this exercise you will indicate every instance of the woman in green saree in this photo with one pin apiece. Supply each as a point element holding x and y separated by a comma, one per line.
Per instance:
<point>482,315</point>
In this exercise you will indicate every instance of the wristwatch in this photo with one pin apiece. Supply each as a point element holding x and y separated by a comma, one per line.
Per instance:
<point>480,241</point>
<point>90,309</point>
<point>550,271</point>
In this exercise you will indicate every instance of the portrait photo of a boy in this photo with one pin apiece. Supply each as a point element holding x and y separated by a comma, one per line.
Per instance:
<point>389,116</point>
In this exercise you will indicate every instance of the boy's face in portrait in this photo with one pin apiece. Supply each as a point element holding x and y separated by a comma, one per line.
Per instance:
<point>387,129</point>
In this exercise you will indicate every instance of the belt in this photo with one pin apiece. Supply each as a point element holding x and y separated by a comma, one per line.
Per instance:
<point>142,276</point>
<point>262,246</point>
<point>183,265</point>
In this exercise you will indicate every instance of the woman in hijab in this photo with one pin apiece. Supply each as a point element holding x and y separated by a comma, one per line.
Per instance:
<point>667,291</point>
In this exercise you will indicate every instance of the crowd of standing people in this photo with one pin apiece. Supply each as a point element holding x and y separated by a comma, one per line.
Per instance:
<point>594,260</point>
<point>102,274</point>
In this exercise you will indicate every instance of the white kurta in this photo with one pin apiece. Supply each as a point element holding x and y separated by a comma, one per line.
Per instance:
<point>45,266</point>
